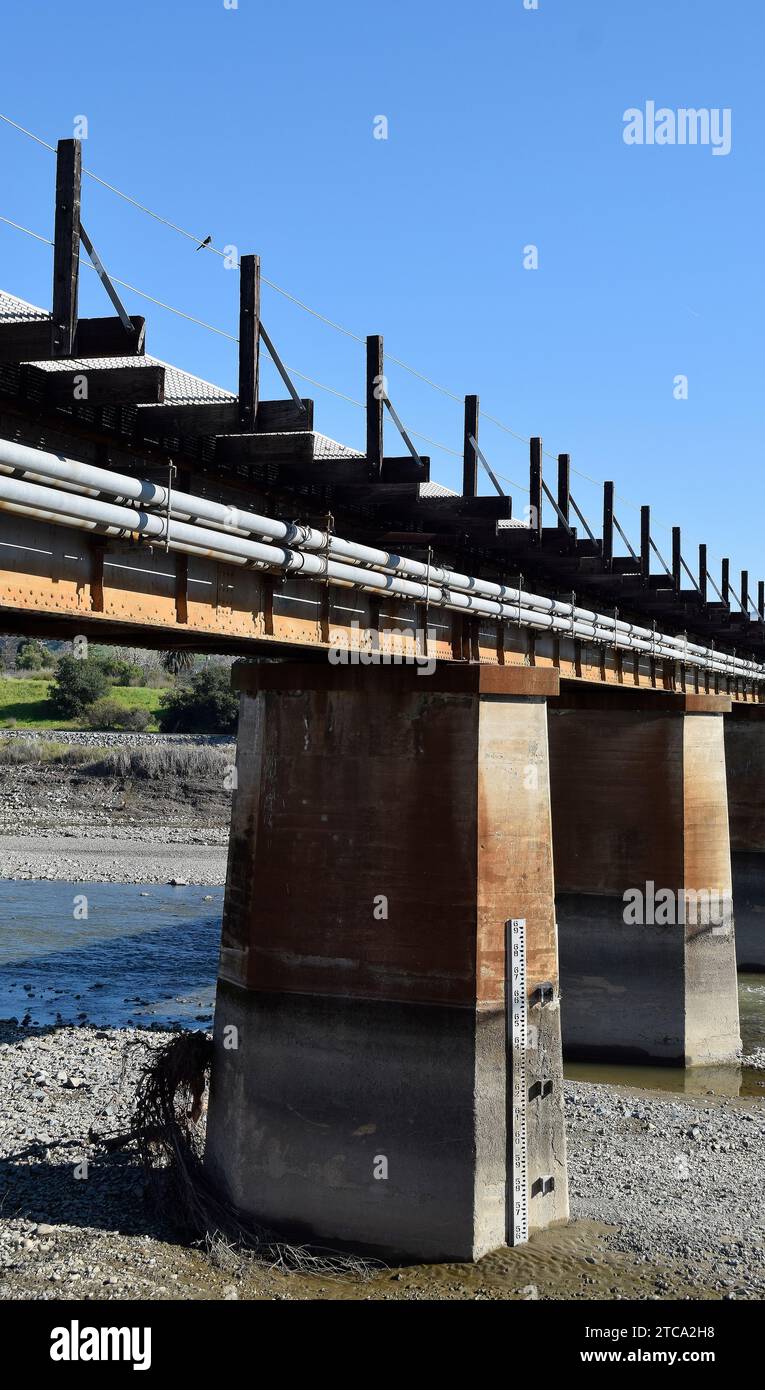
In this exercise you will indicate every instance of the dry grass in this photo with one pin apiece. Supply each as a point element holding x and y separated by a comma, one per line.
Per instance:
<point>195,764</point>
<point>173,762</point>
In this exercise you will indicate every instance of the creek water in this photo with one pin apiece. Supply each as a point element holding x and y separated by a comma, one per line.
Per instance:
<point>723,1081</point>
<point>147,954</point>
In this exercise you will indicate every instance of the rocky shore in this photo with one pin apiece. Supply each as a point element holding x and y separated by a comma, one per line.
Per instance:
<point>180,856</point>
<point>665,1197</point>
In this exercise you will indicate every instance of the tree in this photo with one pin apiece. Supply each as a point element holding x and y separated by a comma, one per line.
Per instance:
<point>78,684</point>
<point>31,655</point>
<point>207,705</point>
<point>177,662</point>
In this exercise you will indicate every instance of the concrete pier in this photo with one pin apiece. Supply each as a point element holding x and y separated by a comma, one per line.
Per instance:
<point>745,759</point>
<point>643,880</point>
<point>385,826</point>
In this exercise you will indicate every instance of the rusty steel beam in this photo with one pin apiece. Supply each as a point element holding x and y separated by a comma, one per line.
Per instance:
<point>62,582</point>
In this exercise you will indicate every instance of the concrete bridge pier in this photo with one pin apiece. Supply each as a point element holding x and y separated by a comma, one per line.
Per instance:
<point>386,824</point>
<point>643,880</point>
<point>745,759</point>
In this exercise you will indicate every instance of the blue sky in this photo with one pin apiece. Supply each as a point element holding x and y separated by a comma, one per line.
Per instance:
<point>505,126</point>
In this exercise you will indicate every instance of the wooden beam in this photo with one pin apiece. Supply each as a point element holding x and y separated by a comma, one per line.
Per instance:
<point>469,451</point>
<point>645,541</point>
<point>139,385</point>
<point>402,468</point>
<point>761,599</point>
<point>564,488</point>
<point>375,394</point>
<point>535,486</point>
<point>249,339</point>
<point>608,525</point>
<point>703,572</point>
<point>66,251</point>
<point>677,550</point>
<point>725,581</point>
<point>31,340</point>
<point>450,509</point>
<point>744,591</point>
<point>297,447</point>
<point>222,417</point>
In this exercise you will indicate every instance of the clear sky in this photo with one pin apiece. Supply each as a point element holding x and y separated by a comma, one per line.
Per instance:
<point>255,124</point>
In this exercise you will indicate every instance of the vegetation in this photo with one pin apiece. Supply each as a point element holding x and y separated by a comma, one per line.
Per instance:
<point>31,655</point>
<point>25,703</point>
<point>110,713</point>
<point>207,705</point>
<point>178,662</point>
<point>44,685</point>
<point>79,683</point>
<point>190,764</point>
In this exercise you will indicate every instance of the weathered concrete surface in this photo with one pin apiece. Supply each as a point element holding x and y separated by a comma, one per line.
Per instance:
<point>639,797</point>
<point>745,759</point>
<point>384,828</point>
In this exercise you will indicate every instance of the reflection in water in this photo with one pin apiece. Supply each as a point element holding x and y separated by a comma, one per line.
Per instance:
<point>721,1081</point>
<point>145,954</point>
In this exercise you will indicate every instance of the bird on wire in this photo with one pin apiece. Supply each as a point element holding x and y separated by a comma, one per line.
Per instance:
<point>204,243</point>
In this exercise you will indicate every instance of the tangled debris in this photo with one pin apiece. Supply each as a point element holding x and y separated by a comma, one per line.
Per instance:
<point>168,1128</point>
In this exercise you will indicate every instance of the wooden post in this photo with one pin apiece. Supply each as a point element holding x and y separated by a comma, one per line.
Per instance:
<point>677,568</point>
<point>761,599</point>
<point>745,591</point>
<point>249,341</point>
<point>535,485</point>
<point>645,541</point>
<point>375,394</point>
<point>608,525</point>
<point>469,453</point>
<point>564,487</point>
<point>725,585</point>
<point>66,252</point>
<point>703,572</point>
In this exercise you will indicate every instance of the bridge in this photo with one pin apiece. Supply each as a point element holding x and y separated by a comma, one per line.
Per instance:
<point>465,719</point>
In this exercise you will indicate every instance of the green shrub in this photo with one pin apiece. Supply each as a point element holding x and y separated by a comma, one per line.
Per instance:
<point>111,714</point>
<point>134,719</point>
<point>78,684</point>
<point>31,655</point>
<point>207,705</point>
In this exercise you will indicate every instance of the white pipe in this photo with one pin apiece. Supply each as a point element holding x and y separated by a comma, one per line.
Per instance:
<point>90,480</point>
<point>370,568</point>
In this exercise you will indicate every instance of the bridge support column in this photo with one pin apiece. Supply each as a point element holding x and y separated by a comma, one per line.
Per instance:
<point>386,824</point>
<point>643,882</point>
<point>745,759</point>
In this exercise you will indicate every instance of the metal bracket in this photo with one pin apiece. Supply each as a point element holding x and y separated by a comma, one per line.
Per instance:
<point>402,431</point>
<point>100,270</point>
<point>280,367</point>
<point>544,994</point>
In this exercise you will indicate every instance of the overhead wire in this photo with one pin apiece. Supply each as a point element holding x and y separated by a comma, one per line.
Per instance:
<point>340,328</point>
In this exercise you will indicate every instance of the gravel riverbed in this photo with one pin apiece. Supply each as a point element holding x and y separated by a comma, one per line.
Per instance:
<point>665,1197</point>
<point>121,857</point>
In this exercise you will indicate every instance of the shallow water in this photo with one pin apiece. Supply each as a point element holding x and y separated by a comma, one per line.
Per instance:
<point>145,954</point>
<point>722,1081</point>
<point>148,955</point>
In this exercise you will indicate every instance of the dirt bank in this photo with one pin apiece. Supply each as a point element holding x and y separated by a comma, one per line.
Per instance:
<point>115,808</point>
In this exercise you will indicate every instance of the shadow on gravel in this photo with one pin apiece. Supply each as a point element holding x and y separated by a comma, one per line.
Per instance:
<point>43,1180</point>
<point>110,1198</point>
